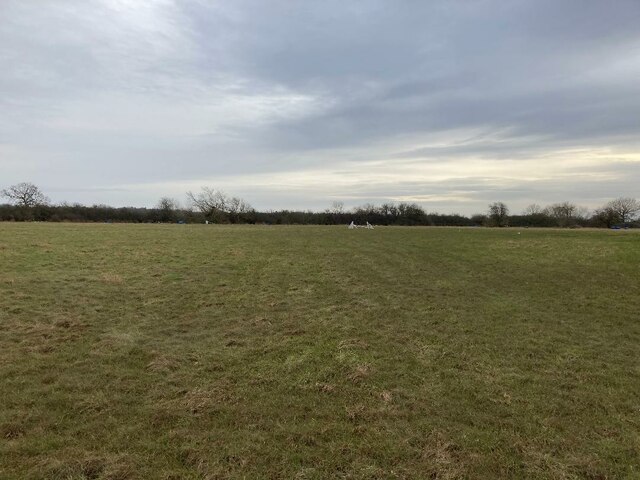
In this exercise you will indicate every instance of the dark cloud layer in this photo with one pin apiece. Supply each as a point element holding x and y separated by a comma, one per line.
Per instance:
<point>452,104</point>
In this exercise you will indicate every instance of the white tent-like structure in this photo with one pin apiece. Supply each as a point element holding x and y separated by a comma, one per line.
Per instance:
<point>352,226</point>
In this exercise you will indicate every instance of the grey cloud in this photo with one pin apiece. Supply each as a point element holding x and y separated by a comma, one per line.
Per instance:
<point>103,93</point>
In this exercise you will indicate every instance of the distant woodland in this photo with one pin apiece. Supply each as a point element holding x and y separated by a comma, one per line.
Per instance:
<point>25,202</point>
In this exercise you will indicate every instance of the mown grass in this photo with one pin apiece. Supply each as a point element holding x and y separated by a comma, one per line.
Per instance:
<point>178,351</point>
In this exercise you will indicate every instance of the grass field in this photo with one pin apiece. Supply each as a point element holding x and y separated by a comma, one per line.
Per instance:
<point>196,352</point>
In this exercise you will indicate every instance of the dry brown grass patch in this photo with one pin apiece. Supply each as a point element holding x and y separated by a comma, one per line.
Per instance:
<point>386,396</point>
<point>261,321</point>
<point>359,373</point>
<point>11,431</point>
<point>85,467</point>
<point>325,387</point>
<point>112,278</point>
<point>40,245</point>
<point>355,413</point>
<point>69,323</point>
<point>163,364</point>
<point>443,457</point>
<point>44,337</point>
<point>115,340</point>
<point>201,399</point>
<point>352,343</point>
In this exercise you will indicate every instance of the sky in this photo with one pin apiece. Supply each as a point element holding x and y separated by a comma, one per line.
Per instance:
<point>297,104</point>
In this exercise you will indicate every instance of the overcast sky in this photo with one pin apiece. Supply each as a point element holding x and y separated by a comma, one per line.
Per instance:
<point>295,104</point>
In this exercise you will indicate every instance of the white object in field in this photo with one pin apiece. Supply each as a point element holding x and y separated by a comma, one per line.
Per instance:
<point>352,225</point>
<point>369,226</point>
<point>206,222</point>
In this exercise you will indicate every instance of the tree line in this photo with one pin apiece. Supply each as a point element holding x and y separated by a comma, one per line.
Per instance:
<point>622,212</point>
<point>26,202</point>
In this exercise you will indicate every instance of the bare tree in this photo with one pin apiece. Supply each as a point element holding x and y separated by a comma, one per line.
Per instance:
<point>499,214</point>
<point>236,208</point>
<point>367,209</point>
<point>337,207</point>
<point>533,209</point>
<point>389,210</point>
<point>582,213</point>
<point>564,213</point>
<point>606,216</point>
<point>411,212</point>
<point>208,201</point>
<point>215,205</point>
<point>167,207</point>
<point>25,194</point>
<point>626,208</point>
<point>335,211</point>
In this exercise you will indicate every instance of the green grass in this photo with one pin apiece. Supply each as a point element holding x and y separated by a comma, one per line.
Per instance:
<point>194,352</point>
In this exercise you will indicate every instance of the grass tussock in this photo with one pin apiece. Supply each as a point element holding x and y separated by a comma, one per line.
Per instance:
<point>112,278</point>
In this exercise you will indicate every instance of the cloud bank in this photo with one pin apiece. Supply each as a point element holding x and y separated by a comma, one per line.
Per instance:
<point>296,104</point>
